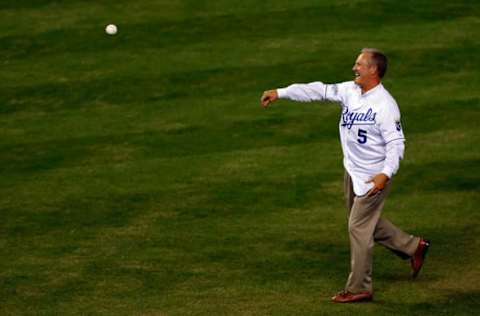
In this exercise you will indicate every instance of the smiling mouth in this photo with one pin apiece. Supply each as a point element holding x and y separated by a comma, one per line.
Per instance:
<point>357,75</point>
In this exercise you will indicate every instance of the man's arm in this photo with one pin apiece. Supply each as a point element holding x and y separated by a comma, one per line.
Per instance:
<point>392,133</point>
<point>315,91</point>
<point>394,153</point>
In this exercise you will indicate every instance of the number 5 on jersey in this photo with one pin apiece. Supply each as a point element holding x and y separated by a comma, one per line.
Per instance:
<point>362,136</point>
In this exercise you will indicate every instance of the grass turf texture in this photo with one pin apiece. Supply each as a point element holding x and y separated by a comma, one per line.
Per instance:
<point>139,175</point>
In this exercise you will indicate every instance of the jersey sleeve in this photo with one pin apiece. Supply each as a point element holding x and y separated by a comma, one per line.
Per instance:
<point>314,91</point>
<point>392,133</point>
<point>389,123</point>
<point>393,154</point>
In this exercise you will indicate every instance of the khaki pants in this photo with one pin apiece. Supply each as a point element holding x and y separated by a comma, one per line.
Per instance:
<point>365,226</point>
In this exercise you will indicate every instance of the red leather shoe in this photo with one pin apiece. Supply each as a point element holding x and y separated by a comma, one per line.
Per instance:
<point>418,257</point>
<point>347,297</point>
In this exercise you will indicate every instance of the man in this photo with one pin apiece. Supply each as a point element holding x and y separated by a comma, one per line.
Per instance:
<point>373,144</point>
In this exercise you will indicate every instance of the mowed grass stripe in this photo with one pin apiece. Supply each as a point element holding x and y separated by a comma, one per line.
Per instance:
<point>212,82</point>
<point>61,44</point>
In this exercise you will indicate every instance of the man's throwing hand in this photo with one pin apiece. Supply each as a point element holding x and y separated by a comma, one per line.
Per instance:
<point>268,97</point>
<point>379,182</point>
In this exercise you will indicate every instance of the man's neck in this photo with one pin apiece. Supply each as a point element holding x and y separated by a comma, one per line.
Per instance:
<point>367,87</point>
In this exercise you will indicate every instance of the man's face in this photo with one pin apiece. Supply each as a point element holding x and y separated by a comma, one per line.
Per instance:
<point>363,69</point>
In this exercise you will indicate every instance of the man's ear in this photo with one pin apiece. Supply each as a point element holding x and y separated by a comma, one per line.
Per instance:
<point>373,69</point>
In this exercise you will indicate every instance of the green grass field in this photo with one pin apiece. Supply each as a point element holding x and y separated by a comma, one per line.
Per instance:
<point>140,176</point>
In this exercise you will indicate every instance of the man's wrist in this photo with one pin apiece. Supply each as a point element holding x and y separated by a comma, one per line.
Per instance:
<point>282,93</point>
<point>387,173</point>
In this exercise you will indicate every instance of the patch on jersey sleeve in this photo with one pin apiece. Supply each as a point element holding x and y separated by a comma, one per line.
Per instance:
<point>398,125</point>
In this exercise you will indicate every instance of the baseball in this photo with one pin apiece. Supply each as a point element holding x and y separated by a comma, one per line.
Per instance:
<point>111,29</point>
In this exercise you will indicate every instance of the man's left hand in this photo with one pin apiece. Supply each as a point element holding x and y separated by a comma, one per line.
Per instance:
<point>379,181</point>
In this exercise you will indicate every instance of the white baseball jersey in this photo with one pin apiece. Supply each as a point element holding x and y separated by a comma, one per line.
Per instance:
<point>370,130</point>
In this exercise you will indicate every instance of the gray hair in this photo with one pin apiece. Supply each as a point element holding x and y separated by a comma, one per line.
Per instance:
<point>379,59</point>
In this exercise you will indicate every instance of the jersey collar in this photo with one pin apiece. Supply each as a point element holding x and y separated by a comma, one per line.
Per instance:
<point>361,97</point>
